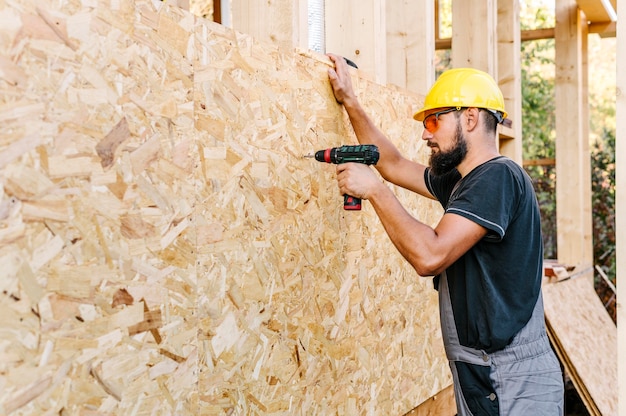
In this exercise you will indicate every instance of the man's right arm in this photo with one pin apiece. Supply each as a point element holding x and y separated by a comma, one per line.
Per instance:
<point>393,167</point>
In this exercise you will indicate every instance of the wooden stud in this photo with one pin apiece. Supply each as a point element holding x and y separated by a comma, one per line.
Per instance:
<point>474,35</point>
<point>273,22</point>
<point>510,75</point>
<point>356,29</point>
<point>410,63</point>
<point>573,189</point>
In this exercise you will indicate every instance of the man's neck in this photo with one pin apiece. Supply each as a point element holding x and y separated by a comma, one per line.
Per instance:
<point>476,158</point>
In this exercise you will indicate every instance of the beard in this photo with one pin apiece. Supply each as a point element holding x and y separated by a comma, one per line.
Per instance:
<point>443,162</point>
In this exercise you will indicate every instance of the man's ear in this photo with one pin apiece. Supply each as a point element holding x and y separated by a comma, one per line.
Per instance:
<point>471,117</point>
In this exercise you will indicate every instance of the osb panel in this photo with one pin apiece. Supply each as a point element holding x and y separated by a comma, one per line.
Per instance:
<point>586,341</point>
<point>310,310</point>
<point>202,8</point>
<point>97,240</point>
<point>164,247</point>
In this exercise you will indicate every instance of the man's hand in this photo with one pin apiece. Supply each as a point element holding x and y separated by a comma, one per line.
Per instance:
<point>357,179</point>
<point>340,81</point>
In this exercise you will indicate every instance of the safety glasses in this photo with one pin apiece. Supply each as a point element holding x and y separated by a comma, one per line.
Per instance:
<point>431,123</point>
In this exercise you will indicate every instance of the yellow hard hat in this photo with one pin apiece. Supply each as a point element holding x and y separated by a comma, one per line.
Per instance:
<point>464,87</point>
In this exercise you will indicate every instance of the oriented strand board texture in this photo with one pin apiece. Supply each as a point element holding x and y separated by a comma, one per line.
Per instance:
<point>97,243</point>
<point>586,341</point>
<point>202,8</point>
<point>164,248</point>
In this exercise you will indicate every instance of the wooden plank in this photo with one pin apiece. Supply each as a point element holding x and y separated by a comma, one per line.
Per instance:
<point>357,30</point>
<point>526,35</point>
<point>301,24</point>
<point>604,30</point>
<point>268,21</point>
<point>540,162</point>
<point>474,35</point>
<point>410,63</point>
<point>510,75</point>
<point>479,45</point>
<point>441,404</point>
<point>598,10</point>
<point>587,206</point>
<point>585,338</point>
<point>573,189</point>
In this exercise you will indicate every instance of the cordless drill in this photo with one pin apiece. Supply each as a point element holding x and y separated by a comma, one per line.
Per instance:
<point>363,153</point>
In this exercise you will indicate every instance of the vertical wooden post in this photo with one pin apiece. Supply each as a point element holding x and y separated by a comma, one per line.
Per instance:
<point>474,35</point>
<point>573,181</point>
<point>277,22</point>
<point>587,214</point>
<point>510,74</point>
<point>300,35</point>
<point>356,29</point>
<point>476,43</point>
<point>620,207</point>
<point>411,44</point>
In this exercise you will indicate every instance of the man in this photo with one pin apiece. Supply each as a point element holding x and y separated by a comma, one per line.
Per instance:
<point>486,252</point>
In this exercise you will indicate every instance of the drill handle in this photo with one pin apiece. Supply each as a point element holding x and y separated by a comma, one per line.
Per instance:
<point>351,203</point>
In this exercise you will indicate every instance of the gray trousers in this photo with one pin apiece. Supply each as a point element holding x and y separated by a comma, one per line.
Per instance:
<point>522,379</point>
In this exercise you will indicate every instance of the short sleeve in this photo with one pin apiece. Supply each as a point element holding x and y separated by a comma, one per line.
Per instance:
<point>489,197</point>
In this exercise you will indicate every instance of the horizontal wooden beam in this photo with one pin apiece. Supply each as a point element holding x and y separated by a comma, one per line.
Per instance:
<point>535,34</point>
<point>597,10</point>
<point>506,132</point>
<point>604,29</point>
<point>540,162</point>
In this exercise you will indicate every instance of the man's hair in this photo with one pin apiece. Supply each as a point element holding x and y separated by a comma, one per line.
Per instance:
<point>491,121</point>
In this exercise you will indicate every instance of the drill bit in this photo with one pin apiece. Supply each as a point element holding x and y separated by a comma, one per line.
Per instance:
<point>310,156</point>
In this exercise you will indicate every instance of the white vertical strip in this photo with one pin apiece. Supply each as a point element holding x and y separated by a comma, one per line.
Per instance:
<point>225,12</point>
<point>317,30</point>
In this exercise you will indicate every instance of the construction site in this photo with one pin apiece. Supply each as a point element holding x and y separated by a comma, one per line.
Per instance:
<point>165,249</point>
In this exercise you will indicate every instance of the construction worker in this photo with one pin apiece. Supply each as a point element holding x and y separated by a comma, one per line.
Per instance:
<point>486,252</point>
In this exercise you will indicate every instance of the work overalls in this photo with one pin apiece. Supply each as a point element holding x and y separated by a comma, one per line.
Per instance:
<point>525,376</point>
